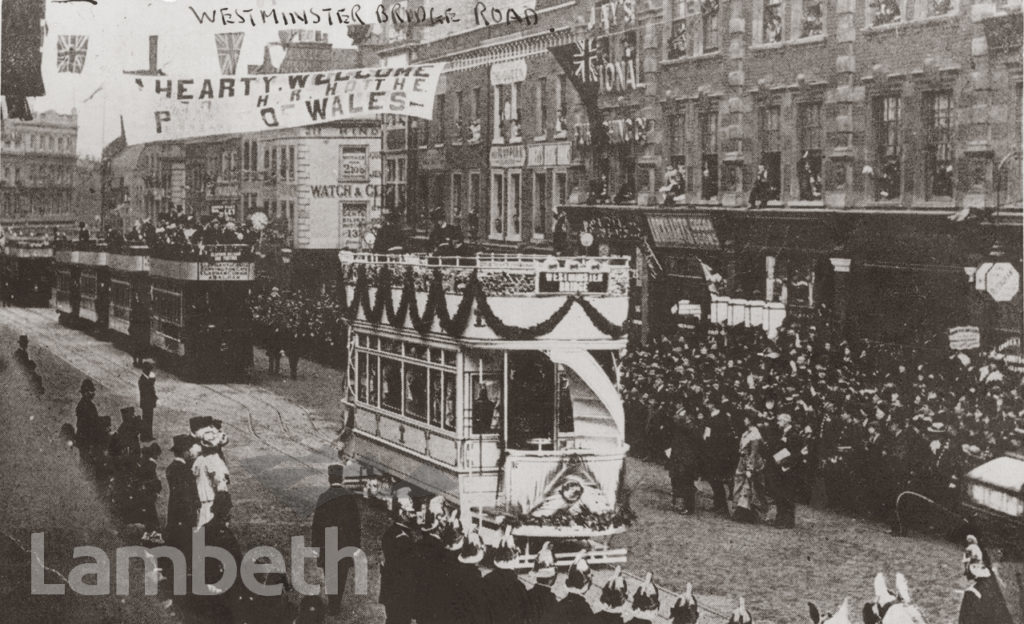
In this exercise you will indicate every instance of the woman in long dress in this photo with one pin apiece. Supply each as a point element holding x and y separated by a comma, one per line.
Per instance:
<point>748,494</point>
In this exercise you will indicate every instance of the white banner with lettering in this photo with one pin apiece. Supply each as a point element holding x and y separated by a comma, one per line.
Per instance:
<point>162,108</point>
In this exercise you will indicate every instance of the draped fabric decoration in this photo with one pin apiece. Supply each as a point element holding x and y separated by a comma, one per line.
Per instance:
<point>436,307</point>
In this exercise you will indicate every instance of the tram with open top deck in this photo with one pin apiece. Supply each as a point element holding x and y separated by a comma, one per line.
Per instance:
<point>199,318</point>
<point>25,270</point>
<point>491,380</point>
<point>82,283</point>
<point>129,294</point>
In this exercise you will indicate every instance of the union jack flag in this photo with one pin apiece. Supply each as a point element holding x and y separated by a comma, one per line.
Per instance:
<point>587,58</point>
<point>71,50</point>
<point>229,46</point>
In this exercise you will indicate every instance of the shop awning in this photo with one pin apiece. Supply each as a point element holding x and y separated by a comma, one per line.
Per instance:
<point>793,235</point>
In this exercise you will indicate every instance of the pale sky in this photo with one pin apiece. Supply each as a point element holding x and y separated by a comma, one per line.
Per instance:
<point>119,31</point>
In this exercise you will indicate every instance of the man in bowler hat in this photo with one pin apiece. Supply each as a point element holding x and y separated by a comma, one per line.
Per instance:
<point>337,509</point>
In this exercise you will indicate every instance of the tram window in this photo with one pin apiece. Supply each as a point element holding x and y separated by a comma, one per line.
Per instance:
<point>374,342</point>
<point>486,403</point>
<point>416,392</point>
<point>435,355</point>
<point>390,346</point>
<point>391,384</point>
<point>449,358</point>
<point>435,398</point>
<point>448,402</point>
<point>361,339</point>
<point>417,352</point>
<point>363,377</point>
<point>372,380</point>
<point>120,299</point>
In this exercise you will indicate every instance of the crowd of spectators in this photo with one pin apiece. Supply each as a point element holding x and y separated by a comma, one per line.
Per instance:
<point>299,324</point>
<point>878,420</point>
<point>185,234</point>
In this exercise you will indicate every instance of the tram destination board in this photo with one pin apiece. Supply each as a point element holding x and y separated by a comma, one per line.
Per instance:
<point>573,282</point>
<point>226,271</point>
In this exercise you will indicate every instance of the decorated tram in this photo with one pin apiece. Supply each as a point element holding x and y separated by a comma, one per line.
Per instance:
<point>491,381</point>
<point>25,270</point>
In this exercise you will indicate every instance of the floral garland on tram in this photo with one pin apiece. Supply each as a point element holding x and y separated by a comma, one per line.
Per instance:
<point>472,289</point>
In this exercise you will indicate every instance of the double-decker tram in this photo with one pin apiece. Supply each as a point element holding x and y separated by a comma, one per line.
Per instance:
<point>491,380</point>
<point>25,270</point>
<point>128,300</point>
<point>199,318</point>
<point>81,283</point>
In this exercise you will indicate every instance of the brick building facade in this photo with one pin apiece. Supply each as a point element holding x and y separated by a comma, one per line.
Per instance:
<point>882,138</point>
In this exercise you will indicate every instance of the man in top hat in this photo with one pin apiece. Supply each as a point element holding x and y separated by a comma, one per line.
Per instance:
<point>448,597</point>
<point>541,603</point>
<point>574,608</point>
<point>21,353</point>
<point>504,593</point>
<point>397,575</point>
<point>788,451</point>
<point>182,496</point>
<point>684,461</point>
<point>336,509</point>
<point>719,444</point>
<point>147,399</point>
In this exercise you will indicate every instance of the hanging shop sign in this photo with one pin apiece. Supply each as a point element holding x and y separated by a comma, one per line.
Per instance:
<point>964,338</point>
<point>549,155</point>
<point>1000,280</point>
<point>509,72</point>
<point>683,231</point>
<point>508,156</point>
<point>344,191</point>
<point>433,160</point>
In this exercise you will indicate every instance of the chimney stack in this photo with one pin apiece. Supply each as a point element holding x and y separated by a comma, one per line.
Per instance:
<point>152,53</point>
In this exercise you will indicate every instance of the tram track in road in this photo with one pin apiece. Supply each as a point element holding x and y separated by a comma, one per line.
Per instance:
<point>117,376</point>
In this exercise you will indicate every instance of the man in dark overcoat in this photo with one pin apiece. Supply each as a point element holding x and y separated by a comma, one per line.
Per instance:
<point>147,400</point>
<point>337,508</point>
<point>182,497</point>
<point>788,451</point>
<point>397,576</point>
<point>684,461</point>
<point>719,461</point>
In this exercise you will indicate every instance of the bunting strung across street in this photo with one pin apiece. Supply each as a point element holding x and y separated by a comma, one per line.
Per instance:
<point>71,51</point>
<point>164,108</point>
<point>229,46</point>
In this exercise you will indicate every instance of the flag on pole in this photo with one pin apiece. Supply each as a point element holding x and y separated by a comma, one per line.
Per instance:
<point>229,46</point>
<point>582,62</point>
<point>71,51</point>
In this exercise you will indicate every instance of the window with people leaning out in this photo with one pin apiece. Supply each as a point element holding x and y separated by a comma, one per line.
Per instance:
<point>887,173</point>
<point>405,379</point>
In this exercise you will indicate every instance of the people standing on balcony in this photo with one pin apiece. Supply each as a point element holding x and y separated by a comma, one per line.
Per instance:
<point>762,190</point>
<point>83,233</point>
<point>560,233</point>
<point>390,238</point>
<point>674,188</point>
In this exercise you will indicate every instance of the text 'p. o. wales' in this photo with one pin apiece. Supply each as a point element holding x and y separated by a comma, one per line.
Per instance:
<point>161,108</point>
